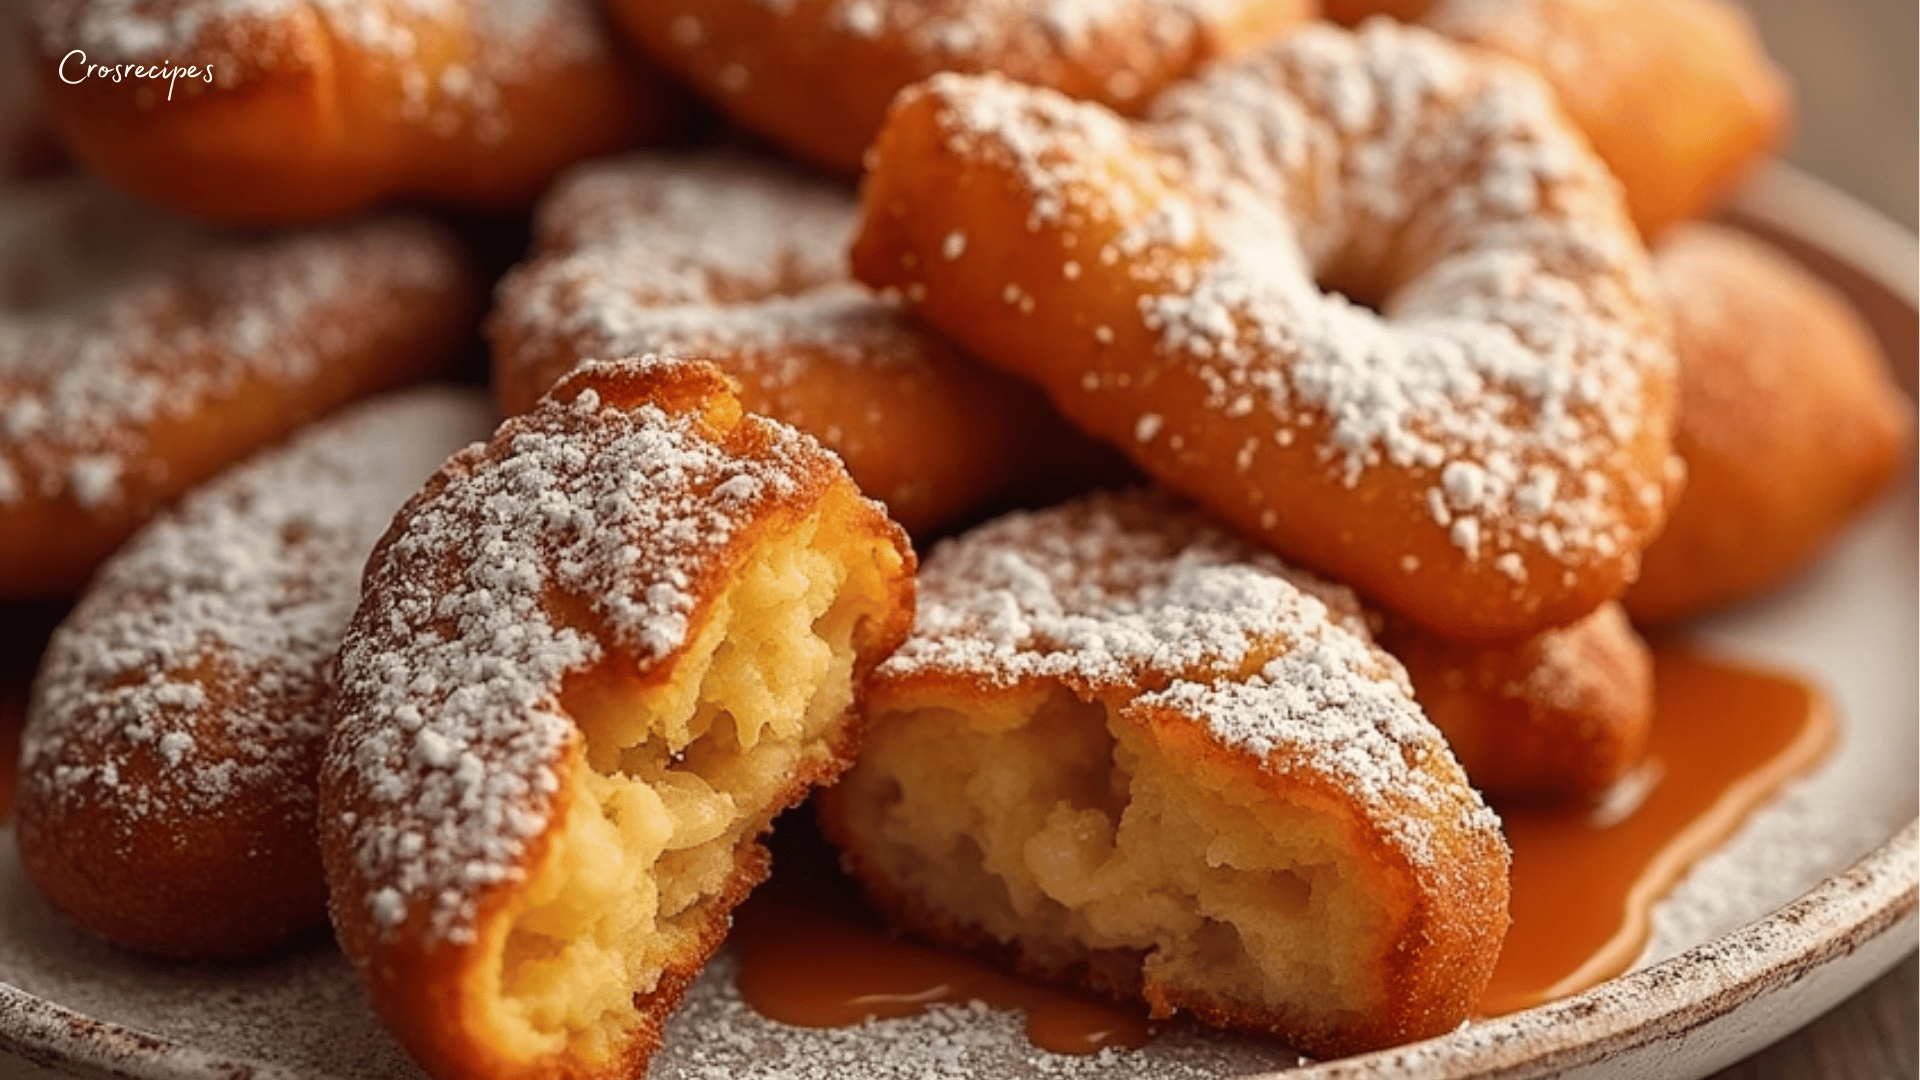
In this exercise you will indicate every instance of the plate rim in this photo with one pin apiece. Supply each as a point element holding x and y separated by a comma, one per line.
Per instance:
<point>1880,891</point>
<point>1877,896</point>
<point>1874,898</point>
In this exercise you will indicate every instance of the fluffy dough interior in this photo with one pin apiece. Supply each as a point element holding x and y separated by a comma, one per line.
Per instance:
<point>676,778</point>
<point>1093,847</point>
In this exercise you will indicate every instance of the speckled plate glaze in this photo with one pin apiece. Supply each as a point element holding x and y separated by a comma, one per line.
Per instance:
<point>1814,898</point>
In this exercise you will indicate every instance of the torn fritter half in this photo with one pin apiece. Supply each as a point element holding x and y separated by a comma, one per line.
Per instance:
<point>592,660</point>
<point>1123,748</point>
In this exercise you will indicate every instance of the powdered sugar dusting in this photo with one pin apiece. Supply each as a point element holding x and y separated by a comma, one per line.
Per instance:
<point>119,31</point>
<point>1107,592</point>
<point>584,532</point>
<point>1138,595</point>
<point>987,31</point>
<point>741,261</point>
<point>499,42</point>
<point>1519,349</point>
<point>1048,139</point>
<point>112,318</point>
<point>303,1016</point>
<point>774,343</point>
<point>196,671</point>
<point>717,224</point>
<point>710,254</point>
<point>1044,40</point>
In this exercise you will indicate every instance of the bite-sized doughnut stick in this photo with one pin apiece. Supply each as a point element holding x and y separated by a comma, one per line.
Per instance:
<point>1790,422</point>
<point>1561,715</point>
<point>1488,455</point>
<point>815,76</point>
<point>743,263</point>
<point>1126,749</point>
<point>316,111</point>
<point>592,661</point>
<point>173,744</point>
<point>1678,97</point>
<point>140,356</point>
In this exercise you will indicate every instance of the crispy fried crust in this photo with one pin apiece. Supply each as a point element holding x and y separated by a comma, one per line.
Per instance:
<point>1678,97</point>
<point>140,356</point>
<point>1124,750</point>
<point>315,112</point>
<point>1790,422</point>
<point>169,758</point>
<point>742,262</point>
<point>574,695</point>
<point>1487,458</point>
<point>815,76</point>
<point>1559,715</point>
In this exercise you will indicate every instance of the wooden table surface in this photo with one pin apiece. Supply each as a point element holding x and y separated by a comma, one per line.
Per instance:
<point>1856,70</point>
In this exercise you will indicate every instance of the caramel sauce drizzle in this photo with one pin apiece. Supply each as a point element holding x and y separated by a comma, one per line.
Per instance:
<point>812,955</point>
<point>1725,737</point>
<point>1585,879</point>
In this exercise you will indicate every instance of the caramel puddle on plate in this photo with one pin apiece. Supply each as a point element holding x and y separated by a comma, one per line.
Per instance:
<point>812,955</point>
<point>1725,737</point>
<point>820,961</point>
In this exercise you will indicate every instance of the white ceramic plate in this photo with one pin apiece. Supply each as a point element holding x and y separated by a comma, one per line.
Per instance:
<point>1744,952</point>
